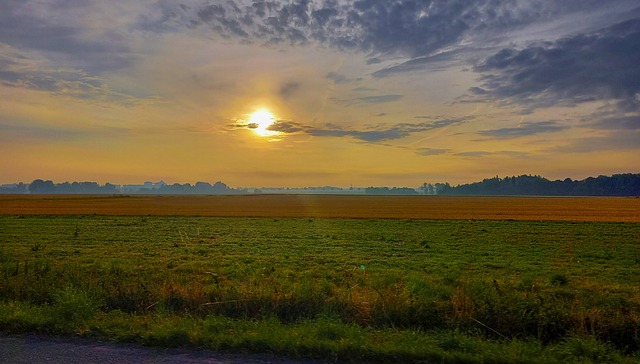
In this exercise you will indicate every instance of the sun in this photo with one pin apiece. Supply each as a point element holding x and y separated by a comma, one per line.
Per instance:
<point>260,121</point>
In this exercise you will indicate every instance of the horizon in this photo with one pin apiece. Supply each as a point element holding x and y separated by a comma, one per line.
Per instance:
<point>316,186</point>
<point>318,92</point>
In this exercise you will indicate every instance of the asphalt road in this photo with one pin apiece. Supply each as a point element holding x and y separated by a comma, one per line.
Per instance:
<point>35,349</point>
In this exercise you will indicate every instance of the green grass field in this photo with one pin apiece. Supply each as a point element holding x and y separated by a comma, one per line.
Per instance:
<point>331,289</point>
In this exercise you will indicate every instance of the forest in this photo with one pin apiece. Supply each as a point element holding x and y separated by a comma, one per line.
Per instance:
<point>526,185</point>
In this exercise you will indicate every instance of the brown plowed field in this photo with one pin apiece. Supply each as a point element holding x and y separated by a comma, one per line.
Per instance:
<point>619,209</point>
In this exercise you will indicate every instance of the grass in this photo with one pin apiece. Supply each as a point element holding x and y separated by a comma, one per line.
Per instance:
<point>352,290</point>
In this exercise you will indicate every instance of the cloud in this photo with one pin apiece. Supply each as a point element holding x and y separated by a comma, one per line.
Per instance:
<point>288,89</point>
<point>17,70</point>
<point>284,126</point>
<point>337,77</point>
<point>10,132</point>
<point>407,27</point>
<point>379,99</point>
<point>280,126</point>
<point>615,121</point>
<point>433,63</point>
<point>524,129</point>
<point>372,99</point>
<point>425,35</point>
<point>618,123</point>
<point>372,135</point>
<point>601,65</point>
<point>393,132</point>
<point>619,140</point>
<point>420,30</point>
<point>367,136</point>
<point>96,36</point>
<point>483,154</point>
<point>431,151</point>
<point>28,130</point>
<point>474,154</point>
<point>69,33</point>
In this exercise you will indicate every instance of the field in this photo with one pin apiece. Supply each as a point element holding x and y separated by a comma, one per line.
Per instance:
<point>323,206</point>
<point>349,278</point>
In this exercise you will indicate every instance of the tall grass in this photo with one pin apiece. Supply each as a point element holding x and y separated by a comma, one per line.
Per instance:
<point>329,288</point>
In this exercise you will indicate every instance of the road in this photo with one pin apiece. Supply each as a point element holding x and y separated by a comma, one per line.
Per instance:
<point>35,349</point>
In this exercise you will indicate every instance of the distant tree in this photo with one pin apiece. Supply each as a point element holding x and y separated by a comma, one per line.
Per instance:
<point>403,191</point>
<point>85,187</point>
<point>427,189</point>
<point>21,188</point>
<point>17,188</point>
<point>109,188</point>
<point>174,189</point>
<point>64,187</point>
<point>443,188</point>
<point>202,187</point>
<point>220,188</point>
<point>390,191</point>
<point>42,187</point>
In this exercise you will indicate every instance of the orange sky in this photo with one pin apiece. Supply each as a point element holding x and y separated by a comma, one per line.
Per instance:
<point>358,97</point>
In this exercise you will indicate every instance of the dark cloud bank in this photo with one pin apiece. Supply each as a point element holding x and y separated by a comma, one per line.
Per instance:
<point>22,27</point>
<point>602,65</point>
<point>407,27</point>
<point>592,54</point>
<point>525,129</point>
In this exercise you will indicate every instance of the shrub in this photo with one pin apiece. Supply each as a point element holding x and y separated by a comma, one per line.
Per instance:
<point>587,348</point>
<point>559,280</point>
<point>74,306</point>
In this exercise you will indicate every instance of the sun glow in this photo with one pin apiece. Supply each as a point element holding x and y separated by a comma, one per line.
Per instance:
<point>260,121</point>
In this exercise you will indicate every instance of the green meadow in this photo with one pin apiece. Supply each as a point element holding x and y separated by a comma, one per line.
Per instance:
<point>352,290</point>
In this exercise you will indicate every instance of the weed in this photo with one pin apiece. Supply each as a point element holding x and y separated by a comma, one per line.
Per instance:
<point>74,305</point>
<point>37,247</point>
<point>588,349</point>
<point>527,284</point>
<point>559,280</point>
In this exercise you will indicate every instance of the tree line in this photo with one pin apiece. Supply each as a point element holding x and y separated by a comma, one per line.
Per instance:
<point>40,186</point>
<point>526,185</point>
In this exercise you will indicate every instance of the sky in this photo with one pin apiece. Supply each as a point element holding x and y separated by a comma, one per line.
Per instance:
<point>362,93</point>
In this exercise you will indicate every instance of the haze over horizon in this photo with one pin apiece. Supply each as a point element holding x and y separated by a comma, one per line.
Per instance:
<point>318,92</point>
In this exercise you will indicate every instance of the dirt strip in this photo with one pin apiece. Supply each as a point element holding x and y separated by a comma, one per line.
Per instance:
<point>614,209</point>
<point>42,349</point>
